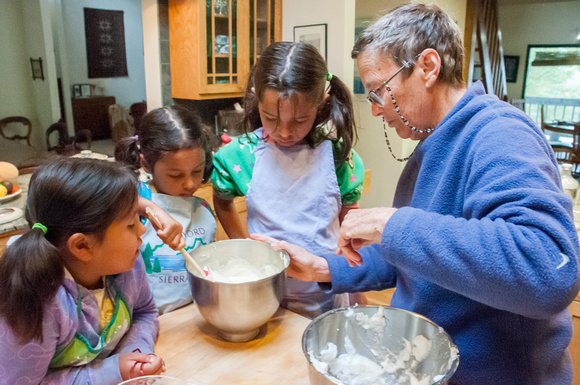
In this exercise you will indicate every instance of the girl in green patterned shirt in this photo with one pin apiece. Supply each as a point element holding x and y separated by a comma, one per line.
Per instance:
<point>296,165</point>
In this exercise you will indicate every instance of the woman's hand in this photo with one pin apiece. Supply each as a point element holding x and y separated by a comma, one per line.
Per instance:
<point>133,365</point>
<point>170,231</point>
<point>303,265</point>
<point>360,228</point>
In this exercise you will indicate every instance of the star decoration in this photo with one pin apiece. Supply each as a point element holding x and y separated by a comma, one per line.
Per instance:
<point>105,25</point>
<point>353,178</point>
<point>237,168</point>
<point>106,38</point>
<point>106,51</point>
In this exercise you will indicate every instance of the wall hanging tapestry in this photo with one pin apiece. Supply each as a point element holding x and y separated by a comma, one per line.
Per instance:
<point>105,34</point>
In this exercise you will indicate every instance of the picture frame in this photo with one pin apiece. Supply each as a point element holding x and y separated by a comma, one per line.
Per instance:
<point>85,90</point>
<point>511,68</point>
<point>314,34</point>
<point>77,91</point>
<point>37,72</point>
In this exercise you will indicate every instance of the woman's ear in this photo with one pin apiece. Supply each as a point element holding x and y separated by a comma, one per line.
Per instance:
<point>144,164</point>
<point>430,64</point>
<point>81,246</point>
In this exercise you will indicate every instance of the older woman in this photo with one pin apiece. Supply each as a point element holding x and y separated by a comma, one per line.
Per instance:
<point>481,238</point>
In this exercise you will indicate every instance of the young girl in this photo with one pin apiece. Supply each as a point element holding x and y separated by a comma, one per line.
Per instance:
<point>300,174</point>
<point>175,150</point>
<point>72,306</point>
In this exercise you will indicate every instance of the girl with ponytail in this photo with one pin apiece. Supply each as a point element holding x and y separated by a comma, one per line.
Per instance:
<point>296,165</point>
<point>174,149</point>
<point>73,308</point>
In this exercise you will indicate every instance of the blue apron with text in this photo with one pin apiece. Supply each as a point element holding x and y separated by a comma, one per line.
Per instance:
<point>294,196</point>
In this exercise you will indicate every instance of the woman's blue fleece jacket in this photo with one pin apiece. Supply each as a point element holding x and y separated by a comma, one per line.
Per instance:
<point>483,244</point>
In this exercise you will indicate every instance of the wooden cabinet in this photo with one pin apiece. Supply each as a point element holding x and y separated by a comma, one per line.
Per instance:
<point>574,346</point>
<point>93,114</point>
<point>215,43</point>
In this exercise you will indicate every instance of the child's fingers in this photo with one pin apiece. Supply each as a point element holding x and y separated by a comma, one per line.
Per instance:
<point>154,365</point>
<point>173,239</point>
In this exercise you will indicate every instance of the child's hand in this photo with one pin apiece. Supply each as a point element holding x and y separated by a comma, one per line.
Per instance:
<point>168,229</point>
<point>171,230</point>
<point>133,365</point>
<point>303,265</point>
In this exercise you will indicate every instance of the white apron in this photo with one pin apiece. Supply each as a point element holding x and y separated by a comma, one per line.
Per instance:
<point>166,267</point>
<point>294,196</point>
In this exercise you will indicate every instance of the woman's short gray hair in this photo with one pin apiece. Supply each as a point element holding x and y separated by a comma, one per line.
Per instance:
<point>406,31</point>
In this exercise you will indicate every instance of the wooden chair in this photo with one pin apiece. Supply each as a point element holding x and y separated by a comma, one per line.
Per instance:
<point>137,110</point>
<point>67,145</point>
<point>565,153</point>
<point>15,121</point>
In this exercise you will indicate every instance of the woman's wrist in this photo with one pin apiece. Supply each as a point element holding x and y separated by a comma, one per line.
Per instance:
<point>321,270</point>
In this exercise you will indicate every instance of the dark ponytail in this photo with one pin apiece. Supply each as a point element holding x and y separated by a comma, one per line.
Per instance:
<point>289,68</point>
<point>31,271</point>
<point>66,196</point>
<point>338,111</point>
<point>127,151</point>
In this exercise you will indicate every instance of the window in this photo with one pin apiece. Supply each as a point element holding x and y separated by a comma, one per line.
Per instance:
<point>552,79</point>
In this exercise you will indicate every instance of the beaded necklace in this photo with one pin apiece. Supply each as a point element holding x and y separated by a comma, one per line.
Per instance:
<point>389,145</point>
<point>428,130</point>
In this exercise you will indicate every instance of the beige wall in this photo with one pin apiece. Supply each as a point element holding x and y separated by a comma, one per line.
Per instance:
<point>339,16</point>
<point>26,32</point>
<point>151,53</point>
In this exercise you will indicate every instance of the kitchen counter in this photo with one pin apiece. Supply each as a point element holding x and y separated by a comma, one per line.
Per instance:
<point>193,351</point>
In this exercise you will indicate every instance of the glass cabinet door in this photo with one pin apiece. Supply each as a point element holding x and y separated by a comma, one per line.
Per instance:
<point>221,42</point>
<point>262,27</point>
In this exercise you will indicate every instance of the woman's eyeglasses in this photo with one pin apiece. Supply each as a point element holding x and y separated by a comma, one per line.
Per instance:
<point>374,96</point>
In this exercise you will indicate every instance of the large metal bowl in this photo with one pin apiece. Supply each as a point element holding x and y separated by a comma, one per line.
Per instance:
<point>380,342</point>
<point>238,310</point>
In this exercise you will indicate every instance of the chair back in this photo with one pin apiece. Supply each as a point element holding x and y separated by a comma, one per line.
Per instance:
<point>137,110</point>
<point>16,128</point>
<point>121,122</point>
<point>66,144</point>
<point>567,151</point>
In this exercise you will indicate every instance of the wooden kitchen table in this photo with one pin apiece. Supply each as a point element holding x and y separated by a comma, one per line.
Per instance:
<point>193,351</point>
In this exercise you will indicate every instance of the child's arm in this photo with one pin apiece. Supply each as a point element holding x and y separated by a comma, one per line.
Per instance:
<point>144,323</point>
<point>171,234</point>
<point>227,214</point>
<point>345,209</point>
<point>29,363</point>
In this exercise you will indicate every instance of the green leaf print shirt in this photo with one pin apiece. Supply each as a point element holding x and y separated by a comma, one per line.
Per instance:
<point>234,164</point>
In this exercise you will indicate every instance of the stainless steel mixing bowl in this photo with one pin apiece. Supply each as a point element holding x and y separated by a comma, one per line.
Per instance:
<point>238,310</point>
<point>336,326</point>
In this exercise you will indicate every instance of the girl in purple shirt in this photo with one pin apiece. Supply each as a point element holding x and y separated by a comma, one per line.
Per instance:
<point>75,306</point>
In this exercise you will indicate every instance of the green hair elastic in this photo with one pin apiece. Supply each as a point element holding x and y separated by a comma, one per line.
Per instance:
<point>329,77</point>
<point>40,226</point>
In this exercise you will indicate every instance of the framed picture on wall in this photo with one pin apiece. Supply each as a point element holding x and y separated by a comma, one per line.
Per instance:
<point>511,68</point>
<point>36,65</point>
<point>77,91</point>
<point>85,90</point>
<point>314,34</point>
